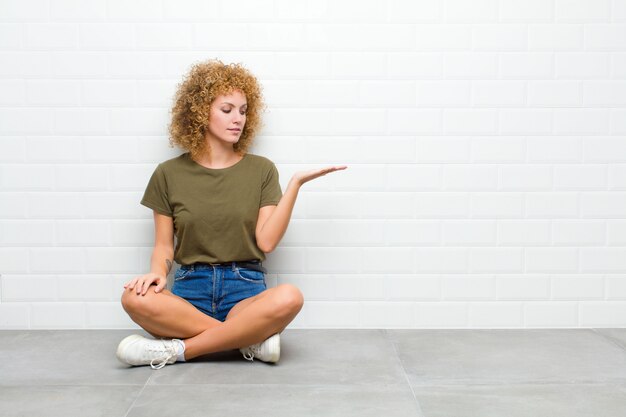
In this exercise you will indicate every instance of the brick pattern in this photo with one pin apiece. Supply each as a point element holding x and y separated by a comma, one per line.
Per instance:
<point>486,142</point>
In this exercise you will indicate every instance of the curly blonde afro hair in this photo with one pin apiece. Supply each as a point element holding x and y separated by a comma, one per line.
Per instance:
<point>192,103</point>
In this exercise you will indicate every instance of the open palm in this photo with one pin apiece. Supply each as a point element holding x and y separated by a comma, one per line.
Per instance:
<point>305,176</point>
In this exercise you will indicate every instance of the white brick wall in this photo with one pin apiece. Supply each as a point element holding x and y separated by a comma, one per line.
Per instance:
<point>486,144</point>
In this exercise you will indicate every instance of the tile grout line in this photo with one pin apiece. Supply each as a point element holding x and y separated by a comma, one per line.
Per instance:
<point>138,395</point>
<point>406,376</point>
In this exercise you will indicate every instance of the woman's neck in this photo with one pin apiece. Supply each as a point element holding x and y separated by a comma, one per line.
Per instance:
<point>218,160</point>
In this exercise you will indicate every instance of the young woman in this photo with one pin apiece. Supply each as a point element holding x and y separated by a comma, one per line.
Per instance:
<point>227,210</point>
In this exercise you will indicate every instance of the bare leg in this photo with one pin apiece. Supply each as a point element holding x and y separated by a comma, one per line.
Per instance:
<point>165,315</point>
<point>254,320</point>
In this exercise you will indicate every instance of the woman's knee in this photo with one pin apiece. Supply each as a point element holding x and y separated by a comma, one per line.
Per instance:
<point>142,305</point>
<point>290,299</point>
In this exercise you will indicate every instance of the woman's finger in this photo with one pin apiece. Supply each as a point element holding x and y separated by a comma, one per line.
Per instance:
<point>306,176</point>
<point>157,287</point>
<point>144,287</point>
<point>332,169</point>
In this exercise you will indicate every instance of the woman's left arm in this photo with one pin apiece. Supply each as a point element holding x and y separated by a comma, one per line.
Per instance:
<point>273,220</point>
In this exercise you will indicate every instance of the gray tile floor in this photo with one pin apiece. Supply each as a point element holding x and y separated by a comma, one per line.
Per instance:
<point>503,373</point>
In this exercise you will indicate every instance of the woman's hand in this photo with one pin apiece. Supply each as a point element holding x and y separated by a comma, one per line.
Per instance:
<point>143,282</point>
<point>301,177</point>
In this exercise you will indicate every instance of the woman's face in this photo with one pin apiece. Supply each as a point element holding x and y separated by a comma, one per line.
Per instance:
<point>228,117</point>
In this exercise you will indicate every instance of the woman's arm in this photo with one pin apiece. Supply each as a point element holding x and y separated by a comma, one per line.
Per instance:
<point>163,252</point>
<point>269,232</point>
<point>162,257</point>
<point>273,220</point>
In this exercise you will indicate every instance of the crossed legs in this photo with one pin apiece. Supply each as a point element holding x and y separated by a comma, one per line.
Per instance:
<point>165,315</point>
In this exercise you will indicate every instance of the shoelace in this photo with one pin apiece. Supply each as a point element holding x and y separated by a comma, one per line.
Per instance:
<point>167,353</point>
<point>251,351</point>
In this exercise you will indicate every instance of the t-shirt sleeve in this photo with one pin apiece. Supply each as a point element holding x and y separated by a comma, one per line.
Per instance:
<point>156,195</point>
<point>270,191</point>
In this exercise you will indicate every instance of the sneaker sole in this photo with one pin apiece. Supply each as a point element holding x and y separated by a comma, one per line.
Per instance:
<point>122,346</point>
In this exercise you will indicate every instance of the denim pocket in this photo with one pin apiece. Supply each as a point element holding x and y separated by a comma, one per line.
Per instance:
<point>181,274</point>
<point>250,275</point>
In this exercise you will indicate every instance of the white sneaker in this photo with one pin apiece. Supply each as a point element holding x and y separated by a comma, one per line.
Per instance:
<point>267,351</point>
<point>138,350</point>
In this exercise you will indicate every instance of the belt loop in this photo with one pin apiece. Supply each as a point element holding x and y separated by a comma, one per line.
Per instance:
<point>233,266</point>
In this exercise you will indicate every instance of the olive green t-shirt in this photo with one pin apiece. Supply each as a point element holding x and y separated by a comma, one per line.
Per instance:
<point>215,211</point>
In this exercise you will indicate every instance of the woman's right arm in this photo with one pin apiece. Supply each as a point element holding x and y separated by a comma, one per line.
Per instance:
<point>162,256</point>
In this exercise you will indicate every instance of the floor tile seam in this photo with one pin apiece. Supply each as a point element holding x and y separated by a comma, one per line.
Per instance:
<point>473,382</point>
<point>610,339</point>
<point>69,384</point>
<point>406,376</point>
<point>138,395</point>
<point>287,384</point>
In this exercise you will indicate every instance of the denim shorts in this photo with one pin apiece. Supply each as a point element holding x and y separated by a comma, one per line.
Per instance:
<point>215,289</point>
